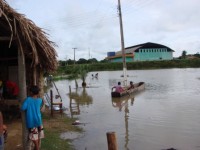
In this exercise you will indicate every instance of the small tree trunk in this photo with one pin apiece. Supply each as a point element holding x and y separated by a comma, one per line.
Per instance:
<point>84,84</point>
<point>76,83</point>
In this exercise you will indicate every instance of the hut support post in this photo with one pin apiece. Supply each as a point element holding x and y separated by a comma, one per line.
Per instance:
<point>22,94</point>
<point>111,139</point>
<point>34,76</point>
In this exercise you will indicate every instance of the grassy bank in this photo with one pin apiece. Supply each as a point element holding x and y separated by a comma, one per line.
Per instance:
<point>179,63</point>
<point>53,127</point>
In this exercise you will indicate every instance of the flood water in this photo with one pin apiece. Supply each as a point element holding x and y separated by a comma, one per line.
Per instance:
<point>165,115</point>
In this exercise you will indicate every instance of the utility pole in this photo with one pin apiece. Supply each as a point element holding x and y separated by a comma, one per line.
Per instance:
<point>89,53</point>
<point>122,43</point>
<point>74,54</point>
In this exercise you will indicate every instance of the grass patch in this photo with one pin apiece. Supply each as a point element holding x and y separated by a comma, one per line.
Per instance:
<point>52,141</point>
<point>53,127</point>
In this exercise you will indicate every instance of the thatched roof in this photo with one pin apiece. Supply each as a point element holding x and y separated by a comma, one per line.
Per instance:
<point>33,41</point>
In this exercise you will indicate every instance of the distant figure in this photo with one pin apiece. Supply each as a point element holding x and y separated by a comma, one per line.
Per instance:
<point>45,81</point>
<point>131,86</point>
<point>96,75</point>
<point>92,76</point>
<point>118,88</point>
<point>50,78</point>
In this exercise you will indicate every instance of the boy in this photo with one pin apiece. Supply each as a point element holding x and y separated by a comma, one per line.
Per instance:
<point>32,105</point>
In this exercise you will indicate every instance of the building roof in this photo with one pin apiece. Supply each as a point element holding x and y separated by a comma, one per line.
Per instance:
<point>119,56</point>
<point>16,29</point>
<point>136,48</point>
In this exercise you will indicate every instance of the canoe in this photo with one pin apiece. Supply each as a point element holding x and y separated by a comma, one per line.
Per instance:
<point>137,87</point>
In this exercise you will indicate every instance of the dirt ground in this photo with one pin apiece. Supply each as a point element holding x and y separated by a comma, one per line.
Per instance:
<point>14,139</point>
<point>14,128</point>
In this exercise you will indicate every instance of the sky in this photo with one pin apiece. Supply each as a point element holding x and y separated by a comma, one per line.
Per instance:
<point>92,26</point>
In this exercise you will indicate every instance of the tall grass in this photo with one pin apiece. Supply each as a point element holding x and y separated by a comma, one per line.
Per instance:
<point>182,63</point>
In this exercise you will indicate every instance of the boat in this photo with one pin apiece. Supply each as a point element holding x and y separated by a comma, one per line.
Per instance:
<point>137,87</point>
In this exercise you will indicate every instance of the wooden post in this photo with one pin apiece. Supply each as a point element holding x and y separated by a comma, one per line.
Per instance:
<point>34,75</point>
<point>51,97</point>
<point>70,91</point>
<point>112,142</point>
<point>22,93</point>
<point>61,110</point>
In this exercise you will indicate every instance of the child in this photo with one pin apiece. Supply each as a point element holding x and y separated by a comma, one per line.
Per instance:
<point>32,105</point>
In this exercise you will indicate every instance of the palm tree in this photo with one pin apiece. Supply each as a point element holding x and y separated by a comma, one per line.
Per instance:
<point>79,72</point>
<point>83,74</point>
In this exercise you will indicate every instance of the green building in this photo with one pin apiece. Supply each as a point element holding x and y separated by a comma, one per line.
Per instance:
<point>142,52</point>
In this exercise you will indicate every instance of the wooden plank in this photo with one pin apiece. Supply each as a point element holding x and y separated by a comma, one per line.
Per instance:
<point>8,58</point>
<point>6,38</point>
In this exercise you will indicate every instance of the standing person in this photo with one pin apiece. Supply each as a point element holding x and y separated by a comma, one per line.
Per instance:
<point>32,105</point>
<point>96,75</point>
<point>1,132</point>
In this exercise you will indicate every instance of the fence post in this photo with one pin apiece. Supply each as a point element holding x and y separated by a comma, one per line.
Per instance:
<point>51,97</point>
<point>111,139</point>
<point>70,90</point>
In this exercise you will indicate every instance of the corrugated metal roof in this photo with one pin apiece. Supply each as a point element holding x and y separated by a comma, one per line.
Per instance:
<point>135,48</point>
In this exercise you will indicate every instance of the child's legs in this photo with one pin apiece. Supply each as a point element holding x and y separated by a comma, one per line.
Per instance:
<point>36,143</point>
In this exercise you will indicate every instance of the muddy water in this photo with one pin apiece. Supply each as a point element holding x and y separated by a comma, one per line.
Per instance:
<point>165,115</point>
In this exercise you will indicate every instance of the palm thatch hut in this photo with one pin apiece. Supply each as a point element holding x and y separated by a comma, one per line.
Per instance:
<point>21,38</point>
<point>25,51</point>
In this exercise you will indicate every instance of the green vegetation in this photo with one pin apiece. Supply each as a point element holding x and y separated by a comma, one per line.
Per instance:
<point>178,63</point>
<point>53,128</point>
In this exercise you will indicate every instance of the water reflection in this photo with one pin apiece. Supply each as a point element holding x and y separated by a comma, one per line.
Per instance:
<point>123,102</point>
<point>77,99</point>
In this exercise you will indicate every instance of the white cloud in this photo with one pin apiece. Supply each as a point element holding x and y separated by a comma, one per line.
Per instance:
<point>94,25</point>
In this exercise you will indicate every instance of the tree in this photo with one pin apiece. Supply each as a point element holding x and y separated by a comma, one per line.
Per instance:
<point>197,55</point>
<point>183,56</point>
<point>70,62</point>
<point>82,61</point>
<point>104,61</point>
<point>83,74</point>
<point>92,60</point>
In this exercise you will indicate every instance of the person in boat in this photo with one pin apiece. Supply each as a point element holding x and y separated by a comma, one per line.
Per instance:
<point>118,88</point>
<point>131,86</point>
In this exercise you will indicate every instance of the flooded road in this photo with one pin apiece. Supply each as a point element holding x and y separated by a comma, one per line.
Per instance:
<point>165,115</point>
